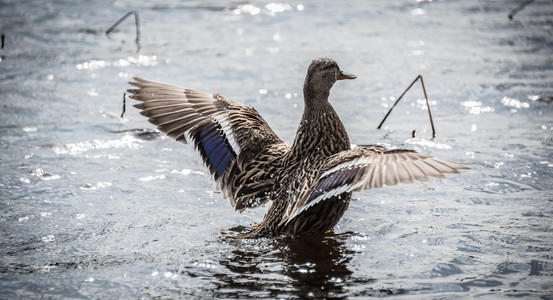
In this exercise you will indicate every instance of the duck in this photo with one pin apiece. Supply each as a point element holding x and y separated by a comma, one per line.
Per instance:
<point>308,185</point>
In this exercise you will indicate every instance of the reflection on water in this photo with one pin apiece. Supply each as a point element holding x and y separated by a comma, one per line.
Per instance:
<point>310,267</point>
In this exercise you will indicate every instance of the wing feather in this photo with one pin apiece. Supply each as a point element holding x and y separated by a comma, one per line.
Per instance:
<point>368,167</point>
<point>231,137</point>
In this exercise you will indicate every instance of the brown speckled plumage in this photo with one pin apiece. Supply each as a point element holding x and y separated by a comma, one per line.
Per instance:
<point>309,184</point>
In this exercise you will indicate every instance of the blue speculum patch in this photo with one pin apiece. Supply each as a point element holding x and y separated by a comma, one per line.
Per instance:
<point>333,181</point>
<point>215,148</point>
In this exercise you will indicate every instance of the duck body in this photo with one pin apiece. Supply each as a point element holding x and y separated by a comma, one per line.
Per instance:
<point>320,135</point>
<point>309,184</point>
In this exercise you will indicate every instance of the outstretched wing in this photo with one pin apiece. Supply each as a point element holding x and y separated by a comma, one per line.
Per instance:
<point>368,167</point>
<point>228,135</point>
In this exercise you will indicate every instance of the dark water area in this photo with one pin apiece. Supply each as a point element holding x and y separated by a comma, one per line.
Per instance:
<point>98,206</point>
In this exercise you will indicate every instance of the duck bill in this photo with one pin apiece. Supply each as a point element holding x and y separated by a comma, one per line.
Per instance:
<point>343,76</point>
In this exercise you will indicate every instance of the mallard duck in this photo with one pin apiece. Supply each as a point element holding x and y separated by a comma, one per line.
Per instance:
<point>308,184</point>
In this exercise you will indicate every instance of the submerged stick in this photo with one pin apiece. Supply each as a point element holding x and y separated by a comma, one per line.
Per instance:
<point>519,8</point>
<point>3,36</point>
<point>427,104</point>
<point>124,104</point>
<point>136,22</point>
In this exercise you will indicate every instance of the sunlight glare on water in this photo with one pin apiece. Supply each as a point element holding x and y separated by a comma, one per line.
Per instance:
<point>141,60</point>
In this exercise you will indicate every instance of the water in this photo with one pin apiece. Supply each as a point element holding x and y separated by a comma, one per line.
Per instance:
<point>98,206</point>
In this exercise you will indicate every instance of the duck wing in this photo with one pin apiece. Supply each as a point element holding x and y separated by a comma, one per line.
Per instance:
<point>373,166</point>
<point>234,141</point>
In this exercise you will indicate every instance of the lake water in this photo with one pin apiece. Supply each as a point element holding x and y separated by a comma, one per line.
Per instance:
<point>99,206</point>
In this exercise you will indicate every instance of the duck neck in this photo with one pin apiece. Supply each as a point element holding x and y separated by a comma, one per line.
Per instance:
<point>313,93</point>
<point>320,133</point>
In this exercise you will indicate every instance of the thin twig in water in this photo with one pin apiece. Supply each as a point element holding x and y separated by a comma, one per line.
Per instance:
<point>124,104</point>
<point>519,8</point>
<point>137,24</point>
<point>427,105</point>
<point>3,36</point>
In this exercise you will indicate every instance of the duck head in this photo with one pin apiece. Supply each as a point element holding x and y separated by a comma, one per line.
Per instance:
<point>321,75</point>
